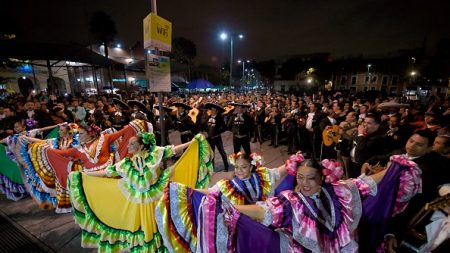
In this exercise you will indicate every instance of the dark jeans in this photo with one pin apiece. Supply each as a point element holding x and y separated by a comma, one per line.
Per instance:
<point>243,142</point>
<point>217,142</point>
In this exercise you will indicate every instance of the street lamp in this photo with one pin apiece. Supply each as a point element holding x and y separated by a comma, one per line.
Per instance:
<point>368,75</point>
<point>243,67</point>
<point>224,36</point>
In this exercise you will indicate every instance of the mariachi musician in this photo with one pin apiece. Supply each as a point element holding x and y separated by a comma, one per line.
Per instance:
<point>140,111</point>
<point>119,118</point>
<point>275,125</point>
<point>214,127</point>
<point>241,125</point>
<point>259,116</point>
<point>328,151</point>
<point>291,117</point>
<point>347,131</point>
<point>184,123</point>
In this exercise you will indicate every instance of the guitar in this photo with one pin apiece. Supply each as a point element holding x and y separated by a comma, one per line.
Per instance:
<point>193,113</point>
<point>331,135</point>
<point>228,109</point>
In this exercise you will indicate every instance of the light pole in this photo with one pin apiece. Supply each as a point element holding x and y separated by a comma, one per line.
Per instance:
<point>243,67</point>
<point>224,36</point>
<point>368,75</point>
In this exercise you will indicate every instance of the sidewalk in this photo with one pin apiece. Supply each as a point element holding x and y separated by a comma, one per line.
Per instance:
<point>53,232</point>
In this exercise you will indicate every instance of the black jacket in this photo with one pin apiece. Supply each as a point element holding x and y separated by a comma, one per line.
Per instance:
<point>371,145</point>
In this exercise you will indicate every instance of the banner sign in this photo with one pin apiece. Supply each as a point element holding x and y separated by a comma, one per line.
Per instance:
<point>157,33</point>
<point>158,73</point>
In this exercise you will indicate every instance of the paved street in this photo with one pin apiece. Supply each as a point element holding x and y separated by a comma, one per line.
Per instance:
<point>59,233</point>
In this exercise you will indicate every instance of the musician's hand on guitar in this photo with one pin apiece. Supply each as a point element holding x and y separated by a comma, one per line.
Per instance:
<point>391,244</point>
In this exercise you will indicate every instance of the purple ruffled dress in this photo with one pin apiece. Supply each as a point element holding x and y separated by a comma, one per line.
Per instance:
<point>292,222</point>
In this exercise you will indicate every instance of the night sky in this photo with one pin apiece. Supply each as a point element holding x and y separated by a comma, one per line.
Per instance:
<point>272,28</point>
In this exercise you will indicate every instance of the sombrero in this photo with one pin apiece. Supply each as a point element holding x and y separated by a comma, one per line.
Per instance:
<point>239,104</point>
<point>185,106</point>
<point>141,106</point>
<point>211,105</point>
<point>121,103</point>
<point>166,108</point>
<point>392,104</point>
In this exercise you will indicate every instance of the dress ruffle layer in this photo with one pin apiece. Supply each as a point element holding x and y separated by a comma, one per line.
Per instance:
<point>178,213</point>
<point>118,214</point>
<point>13,191</point>
<point>43,193</point>
<point>98,234</point>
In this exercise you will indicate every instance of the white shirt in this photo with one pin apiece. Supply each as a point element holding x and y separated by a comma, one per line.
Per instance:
<point>309,120</point>
<point>332,120</point>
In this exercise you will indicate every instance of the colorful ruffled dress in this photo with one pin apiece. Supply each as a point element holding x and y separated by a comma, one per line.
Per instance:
<point>41,180</point>
<point>295,223</point>
<point>117,213</point>
<point>402,182</point>
<point>11,182</point>
<point>11,178</point>
<point>178,209</point>
<point>96,155</point>
<point>292,221</point>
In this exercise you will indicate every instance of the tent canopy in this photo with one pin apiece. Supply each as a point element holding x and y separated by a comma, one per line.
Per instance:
<point>199,84</point>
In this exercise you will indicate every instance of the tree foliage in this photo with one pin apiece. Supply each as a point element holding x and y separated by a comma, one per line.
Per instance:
<point>267,69</point>
<point>102,27</point>
<point>183,50</point>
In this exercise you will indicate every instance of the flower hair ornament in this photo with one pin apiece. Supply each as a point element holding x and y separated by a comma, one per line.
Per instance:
<point>232,158</point>
<point>93,130</point>
<point>148,138</point>
<point>73,128</point>
<point>332,170</point>
<point>256,159</point>
<point>292,163</point>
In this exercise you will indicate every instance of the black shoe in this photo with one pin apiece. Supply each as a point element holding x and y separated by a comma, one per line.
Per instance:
<point>276,146</point>
<point>270,144</point>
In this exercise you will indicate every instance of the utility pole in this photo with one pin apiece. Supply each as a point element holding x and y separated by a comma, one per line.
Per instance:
<point>160,97</point>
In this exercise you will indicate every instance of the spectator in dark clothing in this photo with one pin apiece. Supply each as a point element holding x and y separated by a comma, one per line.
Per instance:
<point>369,142</point>
<point>7,123</point>
<point>435,173</point>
